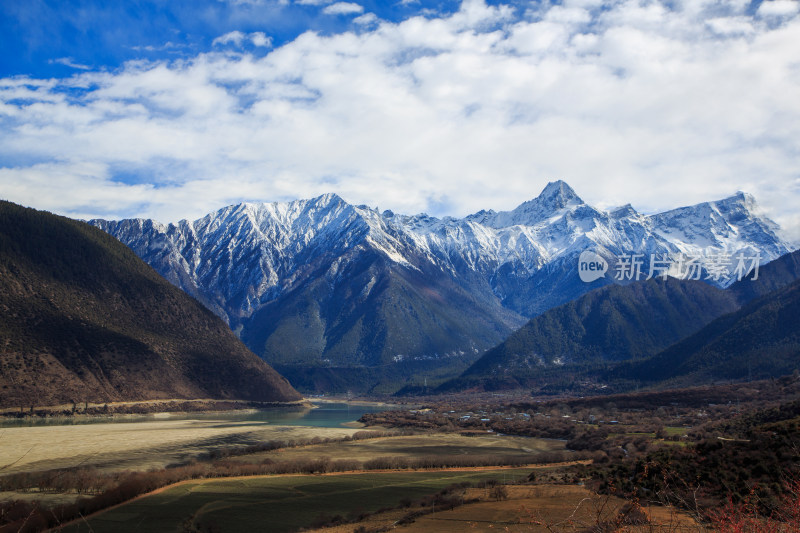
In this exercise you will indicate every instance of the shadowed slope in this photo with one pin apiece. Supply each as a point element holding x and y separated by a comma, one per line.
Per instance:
<point>84,319</point>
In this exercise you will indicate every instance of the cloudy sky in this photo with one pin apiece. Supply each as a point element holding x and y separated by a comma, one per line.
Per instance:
<point>170,109</point>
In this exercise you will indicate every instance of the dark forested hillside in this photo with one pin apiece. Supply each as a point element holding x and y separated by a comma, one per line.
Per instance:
<point>760,340</point>
<point>82,318</point>
<point>773,276</point>
<point>597,336</point>
<point>613,323</point>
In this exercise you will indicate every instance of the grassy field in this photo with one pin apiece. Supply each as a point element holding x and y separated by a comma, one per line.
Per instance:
<point>437,444</point>
<point>276,503</point>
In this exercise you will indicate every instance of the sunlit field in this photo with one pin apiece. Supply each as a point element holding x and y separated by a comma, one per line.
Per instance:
<point>136,445</point>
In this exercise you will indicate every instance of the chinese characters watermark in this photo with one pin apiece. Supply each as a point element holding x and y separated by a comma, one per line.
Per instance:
<point>719,266</point>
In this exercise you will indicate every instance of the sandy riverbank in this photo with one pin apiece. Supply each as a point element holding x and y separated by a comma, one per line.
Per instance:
<point>136,445</point>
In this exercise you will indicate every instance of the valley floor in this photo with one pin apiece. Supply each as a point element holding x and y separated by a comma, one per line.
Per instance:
<point>460,464</point>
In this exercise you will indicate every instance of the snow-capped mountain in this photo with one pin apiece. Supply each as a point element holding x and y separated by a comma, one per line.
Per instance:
<point>324,282</point>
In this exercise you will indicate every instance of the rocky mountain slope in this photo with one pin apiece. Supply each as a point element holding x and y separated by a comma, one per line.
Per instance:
<point>82,318</point>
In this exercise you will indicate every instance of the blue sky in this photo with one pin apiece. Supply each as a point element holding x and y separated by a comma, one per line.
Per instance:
<point>46,37</point>
<point>171,109</point>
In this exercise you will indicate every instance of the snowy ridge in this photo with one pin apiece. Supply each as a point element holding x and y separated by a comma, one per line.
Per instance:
<point>558,225</point>
<point>240,258</point>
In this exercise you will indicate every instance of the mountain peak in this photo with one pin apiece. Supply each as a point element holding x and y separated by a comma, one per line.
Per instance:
<point>739,202</point>
<point>622,211</point>
<point>725,223</point>
<point>328,198</point>
<point>555,196</point>
<point>558,194</point>
<point>740,199</point>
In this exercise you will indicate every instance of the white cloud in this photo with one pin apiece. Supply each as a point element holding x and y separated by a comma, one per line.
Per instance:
<point>343,8</point>
<point>233,37</point>
<point>260,39</point>
<point>636,103</point>
<point>69,62</point>
<point>731,25</point>
<point>237,38</point>
<point>169,45</point>
<point>366,19</point>
<point>779,8</point>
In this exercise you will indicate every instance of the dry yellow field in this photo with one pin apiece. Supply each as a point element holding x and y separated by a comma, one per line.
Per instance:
<point>530,509</point>
<point>135,445</point>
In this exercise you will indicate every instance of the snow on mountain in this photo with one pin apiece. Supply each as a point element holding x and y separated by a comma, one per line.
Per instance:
<point>558,225</point>
<point>731,223</point>
<point>556,198</point>
<point>243,255</point>
<point>246,257</point>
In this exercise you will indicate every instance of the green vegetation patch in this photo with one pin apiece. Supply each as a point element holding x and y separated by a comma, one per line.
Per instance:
<point>280,503</point>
